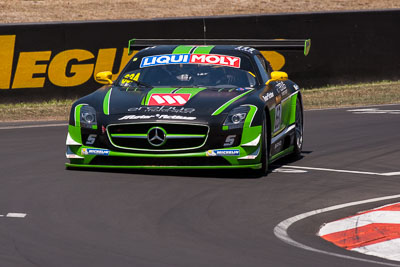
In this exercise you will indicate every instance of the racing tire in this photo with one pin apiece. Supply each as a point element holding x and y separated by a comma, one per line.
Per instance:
<point>298,131</point>
<point>264,149</point>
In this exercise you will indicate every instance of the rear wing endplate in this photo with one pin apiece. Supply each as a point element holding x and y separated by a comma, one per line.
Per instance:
<point>261,44</point>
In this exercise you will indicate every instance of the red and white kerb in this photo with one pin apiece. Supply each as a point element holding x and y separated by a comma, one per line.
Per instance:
<point>374,232</point>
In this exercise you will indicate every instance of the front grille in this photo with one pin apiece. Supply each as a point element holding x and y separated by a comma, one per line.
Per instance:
<point>138,161</point>
<point>177,136</point>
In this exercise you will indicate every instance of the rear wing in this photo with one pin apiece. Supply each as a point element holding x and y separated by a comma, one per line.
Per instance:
<point>261,44</point>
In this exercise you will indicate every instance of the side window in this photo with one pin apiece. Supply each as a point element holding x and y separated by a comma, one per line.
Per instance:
<point>266,64</point>
<point>260,61</point>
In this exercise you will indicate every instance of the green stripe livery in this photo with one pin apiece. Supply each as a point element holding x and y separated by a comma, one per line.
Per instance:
<point>183,49</point>
<point>106,103</point>
<point>203,49</point>
<point>227,104</point>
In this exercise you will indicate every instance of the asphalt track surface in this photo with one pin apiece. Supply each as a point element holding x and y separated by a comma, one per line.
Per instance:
<point>191,218</point>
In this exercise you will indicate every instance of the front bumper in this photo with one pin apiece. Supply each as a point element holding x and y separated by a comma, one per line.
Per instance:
<point>233,157</point>
<point>245,152</point>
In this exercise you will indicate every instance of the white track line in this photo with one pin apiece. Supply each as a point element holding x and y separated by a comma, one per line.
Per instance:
<point>390,173</point>
<point>16,215</point>
<point>342,171</point>
<point>281,230</point>
<point>33,126</point>
<point>352,107</point>
<point>283,170</point>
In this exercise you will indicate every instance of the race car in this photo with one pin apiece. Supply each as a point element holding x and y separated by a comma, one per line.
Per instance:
<point>190,104</point>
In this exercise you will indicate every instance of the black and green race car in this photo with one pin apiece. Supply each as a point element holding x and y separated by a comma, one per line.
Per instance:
<point>183,104</point>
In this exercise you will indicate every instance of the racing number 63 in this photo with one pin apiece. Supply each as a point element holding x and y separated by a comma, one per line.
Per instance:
<point>278,117</point>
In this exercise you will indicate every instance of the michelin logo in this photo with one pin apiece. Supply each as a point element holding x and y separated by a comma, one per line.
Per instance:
<point>224,152</point>
<point>94,151</point>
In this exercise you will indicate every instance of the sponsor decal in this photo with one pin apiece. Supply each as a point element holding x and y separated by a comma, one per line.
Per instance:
<point>278,117</point>
<point>95,151</point>
<point>174,117</point>
<point>156,116</point>
<point>91,139</point>
<point>223,152</point>
<point>221,60</point>
<point>296,87</point>
<point>168,99</point>
<point>268,96</point>
<point>245,49</point>
<point>230,139</point>
<point>164,60</point>
<point>129,78</point>
<point>281,86</point>
<point>136,117</point>
<point>67,68</point>
<point>165,109</point>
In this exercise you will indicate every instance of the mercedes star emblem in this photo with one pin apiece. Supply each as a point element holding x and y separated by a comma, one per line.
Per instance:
<point>156,136</point>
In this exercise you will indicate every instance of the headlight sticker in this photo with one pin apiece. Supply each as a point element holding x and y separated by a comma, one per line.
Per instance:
<point>87,116</point>
<point>236,117</point>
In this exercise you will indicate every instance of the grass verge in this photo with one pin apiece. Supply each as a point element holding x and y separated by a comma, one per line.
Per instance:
<point>386,92</point>
<point>35,111</point>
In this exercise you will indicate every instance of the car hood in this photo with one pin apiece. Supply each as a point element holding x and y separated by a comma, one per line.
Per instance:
<point>199,101</point>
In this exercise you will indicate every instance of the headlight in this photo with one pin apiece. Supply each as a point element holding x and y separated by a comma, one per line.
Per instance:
<point>88,117</point>
<point>236,117</point>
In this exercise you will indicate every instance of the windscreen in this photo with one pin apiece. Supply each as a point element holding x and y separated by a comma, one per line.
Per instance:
<point>189,70</point>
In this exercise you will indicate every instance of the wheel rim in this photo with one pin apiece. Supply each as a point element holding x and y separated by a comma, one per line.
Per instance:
<point>299,127</point>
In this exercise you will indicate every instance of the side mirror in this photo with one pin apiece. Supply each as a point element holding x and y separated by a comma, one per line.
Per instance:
<point>104,77</point>
<point>277,76</point>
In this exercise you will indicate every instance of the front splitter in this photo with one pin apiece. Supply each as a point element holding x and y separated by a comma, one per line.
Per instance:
<point>250,166</point>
